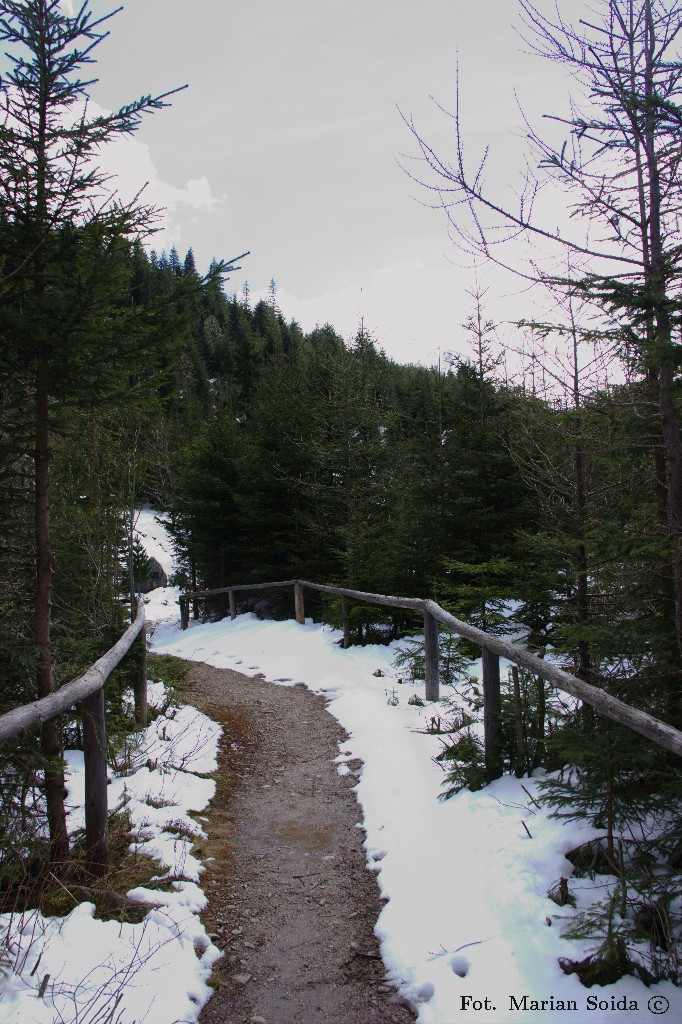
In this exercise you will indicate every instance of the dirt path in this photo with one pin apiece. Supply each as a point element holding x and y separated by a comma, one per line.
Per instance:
<point>290,900</point>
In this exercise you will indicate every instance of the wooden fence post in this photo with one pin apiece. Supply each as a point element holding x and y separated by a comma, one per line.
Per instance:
<point>491,714</point>
<point>299,604</point>
<point>96,808</point>
<point>140,688</point>
<point>518,724</point>
<point>184,612</point>
<point>431,654</point>
<point>233,605</point>
<point>195,600</point>
<point>346,622</point>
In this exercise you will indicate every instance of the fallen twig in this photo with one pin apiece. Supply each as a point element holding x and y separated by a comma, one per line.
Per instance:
<point>531,797</point>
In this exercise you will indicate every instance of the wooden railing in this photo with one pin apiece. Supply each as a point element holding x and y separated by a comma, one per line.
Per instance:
<point>492,649</point>
<point>88,692</point>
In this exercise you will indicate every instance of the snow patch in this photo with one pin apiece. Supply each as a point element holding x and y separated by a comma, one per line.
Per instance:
<point>465,886</point>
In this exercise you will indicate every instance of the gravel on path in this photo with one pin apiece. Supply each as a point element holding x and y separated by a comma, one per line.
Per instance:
<point>291,902</point>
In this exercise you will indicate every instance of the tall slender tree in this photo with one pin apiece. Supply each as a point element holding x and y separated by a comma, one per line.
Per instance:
<point>57,210</point>
<point>621,168</point>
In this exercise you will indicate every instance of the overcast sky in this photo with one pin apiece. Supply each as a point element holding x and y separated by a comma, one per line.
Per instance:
<point>287,143</point>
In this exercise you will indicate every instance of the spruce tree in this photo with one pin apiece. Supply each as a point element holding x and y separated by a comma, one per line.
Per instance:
<point>56,211</point>
<point>619,168</point>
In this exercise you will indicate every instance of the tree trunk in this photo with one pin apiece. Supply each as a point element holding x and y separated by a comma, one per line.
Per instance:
<point>583,668</point>
<point>539,753</point>
<point>582,585</point>
<point>50,741</point>
<point>518,722</point>
<point>673,451</point>
<point>195,602</point>
<point>668,588</point>
<point>657,279</point>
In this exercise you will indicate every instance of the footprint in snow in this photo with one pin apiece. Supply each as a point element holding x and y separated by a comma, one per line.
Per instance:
<point>460,965</point>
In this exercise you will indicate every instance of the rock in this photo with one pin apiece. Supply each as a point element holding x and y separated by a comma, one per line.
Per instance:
<point>242,979</point>
<point>156,577</point>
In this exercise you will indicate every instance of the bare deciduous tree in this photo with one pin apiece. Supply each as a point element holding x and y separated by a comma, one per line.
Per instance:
<point>620,173</point>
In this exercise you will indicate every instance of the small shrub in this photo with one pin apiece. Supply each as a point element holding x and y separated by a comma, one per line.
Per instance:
<point>164,668</point>
<point>466,765</point>
<point>590,859</point>
<point>607,966</point>
<point>560,894</point>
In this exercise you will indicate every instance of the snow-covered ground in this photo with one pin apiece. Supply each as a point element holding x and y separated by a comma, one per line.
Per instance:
<point>155,971</point>
<point>162,603</point>
<point>107,972</point>
<point>149,527</point>
<point>467,930</point>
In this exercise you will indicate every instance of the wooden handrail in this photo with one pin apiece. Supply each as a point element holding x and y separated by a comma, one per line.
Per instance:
<point>88,692</point>
<point>659,732</point>
<point>245,586</point>
<point>41,711</point>
<point>662,734</point>
<point>412,603</point>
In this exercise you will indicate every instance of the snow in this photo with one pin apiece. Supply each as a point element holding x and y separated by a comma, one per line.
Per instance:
<point>162,603</point>
<point>466,931</point>
<point>149,527</point>
<point>466,924</point>
<point>157,970</point>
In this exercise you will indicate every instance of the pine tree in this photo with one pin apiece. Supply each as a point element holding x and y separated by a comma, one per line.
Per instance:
<point>276,458</point>
<point>205,513</point>
<point>189,266</point>
<point>620,171</point>
<point>488,500</point>
<point>174,262</point>
<point>60,216</point>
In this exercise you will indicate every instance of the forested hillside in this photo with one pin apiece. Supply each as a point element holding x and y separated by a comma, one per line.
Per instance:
<point>280,454</point>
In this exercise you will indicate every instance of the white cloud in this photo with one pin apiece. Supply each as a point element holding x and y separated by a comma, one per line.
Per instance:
<point>131,168</point>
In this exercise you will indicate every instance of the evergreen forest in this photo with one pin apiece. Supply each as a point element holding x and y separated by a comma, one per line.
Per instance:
<point>535,501</point>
